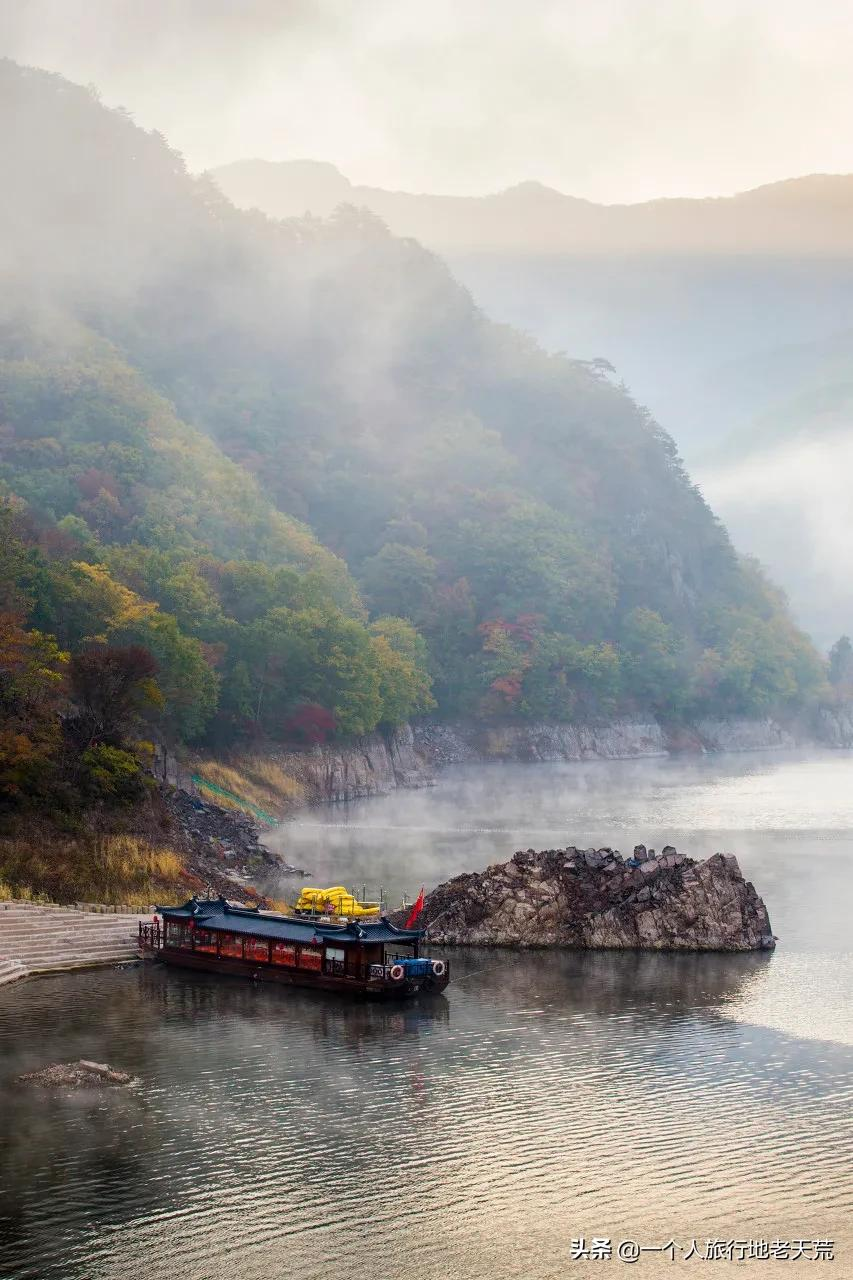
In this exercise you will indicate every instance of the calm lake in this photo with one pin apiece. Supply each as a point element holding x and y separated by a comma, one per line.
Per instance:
<point>545,1097</point>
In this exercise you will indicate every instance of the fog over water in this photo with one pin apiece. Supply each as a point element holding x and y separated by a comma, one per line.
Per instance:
<point>276,1133</point>
<point>788,819</point>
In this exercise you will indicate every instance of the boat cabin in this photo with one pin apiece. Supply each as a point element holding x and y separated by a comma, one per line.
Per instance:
<point>374,957</point>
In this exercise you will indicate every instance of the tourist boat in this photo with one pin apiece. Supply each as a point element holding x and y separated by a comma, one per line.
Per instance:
<point>355,955</point>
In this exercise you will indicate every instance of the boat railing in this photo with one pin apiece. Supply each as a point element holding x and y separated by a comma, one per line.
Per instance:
<point>418,966</point>
<point>150,936</point>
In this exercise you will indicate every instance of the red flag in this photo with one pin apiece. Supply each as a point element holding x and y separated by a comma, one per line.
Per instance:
<point>416,909</point>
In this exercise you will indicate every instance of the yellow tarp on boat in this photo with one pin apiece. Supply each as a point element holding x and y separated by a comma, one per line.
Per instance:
<point>336,901</point>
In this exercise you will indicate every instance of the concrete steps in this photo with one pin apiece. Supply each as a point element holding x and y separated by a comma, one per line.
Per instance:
<point>10,970</point>
<point>44,938</point>
<point>36,954</point>
<point>44,927</point>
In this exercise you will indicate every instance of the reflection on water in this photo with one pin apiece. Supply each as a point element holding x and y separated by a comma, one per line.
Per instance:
<point>289,1134</point>
<point>789,819</point>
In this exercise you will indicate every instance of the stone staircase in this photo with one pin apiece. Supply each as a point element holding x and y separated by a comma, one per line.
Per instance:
<point>37,938</point>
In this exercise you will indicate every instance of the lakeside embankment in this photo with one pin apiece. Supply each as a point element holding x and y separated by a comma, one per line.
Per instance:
<point>408,756</point>
<point>464,743</point>
<point>226,848</point>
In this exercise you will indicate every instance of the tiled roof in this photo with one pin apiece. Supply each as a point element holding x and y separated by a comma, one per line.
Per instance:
<point>221,915</point>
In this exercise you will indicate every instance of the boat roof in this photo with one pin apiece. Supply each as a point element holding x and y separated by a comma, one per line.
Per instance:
<point>219,913</point>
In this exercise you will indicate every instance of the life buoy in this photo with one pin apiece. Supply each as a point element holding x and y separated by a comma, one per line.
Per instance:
<point>397,972</point>
<point>438,968</point>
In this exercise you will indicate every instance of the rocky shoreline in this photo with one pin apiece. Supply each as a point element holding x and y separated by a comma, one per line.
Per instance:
<point>440,745</point>
<point>225,849</point>
<point>374,764</point>
<point>222,849</point>
<point>411,755</point>
<point>598,899</point>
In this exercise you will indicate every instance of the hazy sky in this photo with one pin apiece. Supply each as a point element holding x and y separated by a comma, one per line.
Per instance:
<point>611,99</point>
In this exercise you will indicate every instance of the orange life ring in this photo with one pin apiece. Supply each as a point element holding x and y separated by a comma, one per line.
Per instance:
<point>397,972</point>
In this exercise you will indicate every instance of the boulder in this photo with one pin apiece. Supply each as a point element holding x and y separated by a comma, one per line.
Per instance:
<point>566,898</point>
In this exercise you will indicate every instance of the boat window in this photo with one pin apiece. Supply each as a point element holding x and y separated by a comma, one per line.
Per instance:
<point>231,944</point>
<point>204,940</point>
<point>284,953</point>
<point>257,949</point>
<point>310,958</point>
<point>335,960</point>
<point>175,933</point>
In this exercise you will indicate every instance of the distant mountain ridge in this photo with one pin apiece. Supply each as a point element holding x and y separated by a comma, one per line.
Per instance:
<point>810,214</point>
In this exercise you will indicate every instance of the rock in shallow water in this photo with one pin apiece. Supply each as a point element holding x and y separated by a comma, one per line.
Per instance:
<point>565,898</point>
<point>77,1075</point>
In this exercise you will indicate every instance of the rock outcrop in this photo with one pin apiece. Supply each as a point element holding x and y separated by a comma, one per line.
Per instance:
<point>835,725</point>
<point>596,898</point>
<point>375,764</point>
<point>738,734</point>
<point>469,742</point>
<point>222,849</point>
<point>461,743</point>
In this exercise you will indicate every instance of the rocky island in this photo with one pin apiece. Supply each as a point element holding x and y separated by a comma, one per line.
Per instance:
<point>596,898</point>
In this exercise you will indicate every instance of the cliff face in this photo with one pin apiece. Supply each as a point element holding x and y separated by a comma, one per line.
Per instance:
<point>443,744</point>
<point>835,725</point>
<point>367,766</point>
<point>598,899</point>
<point>377,763</point>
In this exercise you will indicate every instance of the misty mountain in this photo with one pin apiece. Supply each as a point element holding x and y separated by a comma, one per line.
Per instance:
<point>782,472</point>
<point>731,318</point>
<point>512,519</point>
<point>671,292</point>
<point>795,391</point>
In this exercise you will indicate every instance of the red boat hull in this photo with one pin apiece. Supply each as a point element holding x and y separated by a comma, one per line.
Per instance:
<point>381,988</point>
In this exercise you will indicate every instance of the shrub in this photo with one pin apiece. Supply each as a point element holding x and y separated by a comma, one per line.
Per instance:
<point>112,775</point>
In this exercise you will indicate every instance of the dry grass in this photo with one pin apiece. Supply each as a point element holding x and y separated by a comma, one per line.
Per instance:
<point>114,869</point>
<point>279,904</point>
<point>268,774</point>
<point>20,893</point>
<point>252,778</point>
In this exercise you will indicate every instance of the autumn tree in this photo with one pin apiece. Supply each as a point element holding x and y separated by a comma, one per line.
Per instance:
<point>841,666</point>
<point>112,689</point>
<point>32,689</point>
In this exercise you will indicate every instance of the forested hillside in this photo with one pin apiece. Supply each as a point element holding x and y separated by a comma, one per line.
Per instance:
<point>729,317</point>
<point>707,307</point>
<point>295,465</point>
